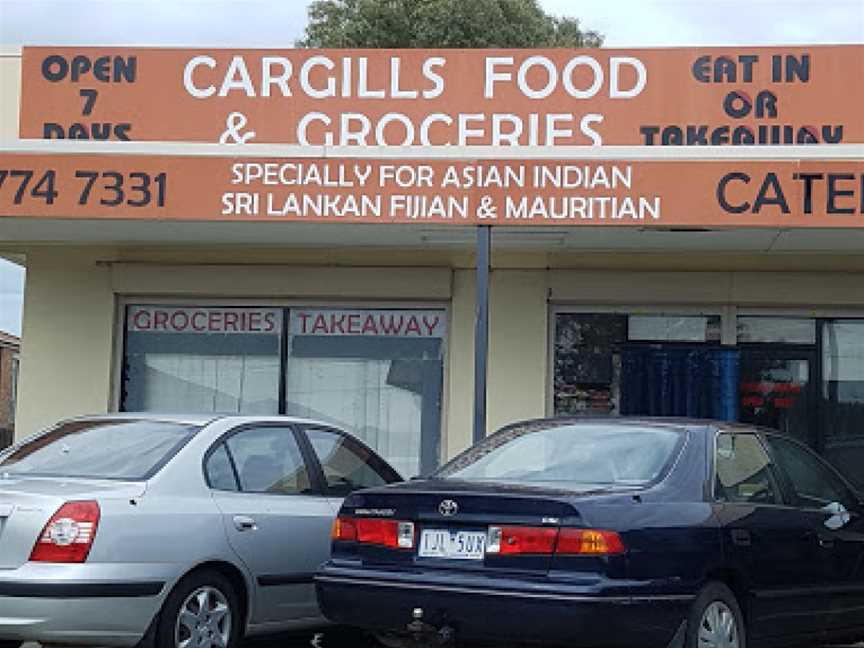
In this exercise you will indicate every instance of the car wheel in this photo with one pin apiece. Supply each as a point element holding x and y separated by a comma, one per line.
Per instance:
<point>715,620</point>
<point>203,611</point>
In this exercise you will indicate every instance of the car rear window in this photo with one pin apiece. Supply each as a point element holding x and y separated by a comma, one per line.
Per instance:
<point>570,456</point>
<point>125,450</point>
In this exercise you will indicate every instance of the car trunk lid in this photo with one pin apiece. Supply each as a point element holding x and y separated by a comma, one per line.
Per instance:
<point>27,504</point>
<point>464,512</point>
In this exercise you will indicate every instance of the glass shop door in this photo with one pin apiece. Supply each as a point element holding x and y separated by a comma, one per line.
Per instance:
<point>778,390</point>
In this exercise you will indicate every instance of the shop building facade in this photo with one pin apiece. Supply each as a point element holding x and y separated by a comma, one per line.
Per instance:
<point>619,339</point>
<point>373,326</point>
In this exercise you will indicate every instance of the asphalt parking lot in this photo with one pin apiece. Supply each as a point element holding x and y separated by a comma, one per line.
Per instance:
<point>337,639</point>
<point>296,641</point>
<point>349,640</point>
<point>343,640</point>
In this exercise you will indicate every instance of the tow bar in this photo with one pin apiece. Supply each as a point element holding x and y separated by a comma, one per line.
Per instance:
<point>427,635</point>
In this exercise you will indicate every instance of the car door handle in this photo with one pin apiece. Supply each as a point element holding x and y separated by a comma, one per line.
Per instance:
<point>826,542</point>
<point>244,523</point>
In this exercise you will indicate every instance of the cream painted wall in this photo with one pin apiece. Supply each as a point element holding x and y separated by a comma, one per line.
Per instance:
<point>801,290</point>
<point>66,352</point>
<point>459,390</point>
<point>517,346</point>
<point>10,84</point>
<point>281,281</point>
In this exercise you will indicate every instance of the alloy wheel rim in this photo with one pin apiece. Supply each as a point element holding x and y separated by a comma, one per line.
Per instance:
<point>204,620</point>
<point>718,628</point>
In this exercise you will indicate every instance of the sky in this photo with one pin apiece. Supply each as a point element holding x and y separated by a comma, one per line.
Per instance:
<point>11,296</point>
<point>279,23</point>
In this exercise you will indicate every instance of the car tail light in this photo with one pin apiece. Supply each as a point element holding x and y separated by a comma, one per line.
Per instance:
<point>589,542</point>
<point>344,530</point>
<point>514,540</point>
<point>394,534</point>
<point>405,535</point>
<point>69,534</point>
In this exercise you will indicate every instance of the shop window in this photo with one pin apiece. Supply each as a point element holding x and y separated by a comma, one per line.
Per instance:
<point>843,396</point>
<point>665,328</point>
<point>376,373</point>
<point>588,363</point>
<point>776,390</point>
<point>778,330</point>
<point>187,359</point>
<point>655,365</point>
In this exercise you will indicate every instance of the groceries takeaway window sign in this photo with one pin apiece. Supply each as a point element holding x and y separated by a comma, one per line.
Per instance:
<point>698,96</point>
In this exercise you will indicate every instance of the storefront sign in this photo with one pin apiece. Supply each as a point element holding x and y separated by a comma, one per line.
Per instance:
<point>167,319</point>
<point>781,395</point>
<point>369,323</point>
<point>726,193</point>
<point>693,96</point>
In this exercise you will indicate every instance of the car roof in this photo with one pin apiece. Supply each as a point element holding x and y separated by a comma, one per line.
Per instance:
<point>200,419</point>
<point>682,423</point>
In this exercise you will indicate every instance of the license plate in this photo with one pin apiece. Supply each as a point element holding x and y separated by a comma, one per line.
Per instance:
<point>455,545</point>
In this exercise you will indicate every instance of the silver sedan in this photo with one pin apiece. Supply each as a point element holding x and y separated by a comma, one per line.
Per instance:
<point>169,531</point>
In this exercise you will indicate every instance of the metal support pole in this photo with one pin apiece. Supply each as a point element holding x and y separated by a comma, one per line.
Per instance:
<point>481,331</point>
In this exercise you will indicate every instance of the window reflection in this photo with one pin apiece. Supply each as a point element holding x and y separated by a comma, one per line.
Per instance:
<point>375,373</point>
<point>781,330</point>
<point>843,394</point>
<point>643,365</point>
<point>190,359</point>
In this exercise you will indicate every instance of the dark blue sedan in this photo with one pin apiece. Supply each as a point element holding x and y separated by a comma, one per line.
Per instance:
<point>608,532</point>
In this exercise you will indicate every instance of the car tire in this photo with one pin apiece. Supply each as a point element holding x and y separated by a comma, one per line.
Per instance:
<point>201,605</point>
<point>716,613</point>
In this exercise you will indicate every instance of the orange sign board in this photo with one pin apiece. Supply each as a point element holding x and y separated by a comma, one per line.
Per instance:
<point>713,194</point>
<point>692,96</point>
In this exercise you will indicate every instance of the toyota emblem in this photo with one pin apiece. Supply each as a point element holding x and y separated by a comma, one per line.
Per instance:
<point>448,508</point>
